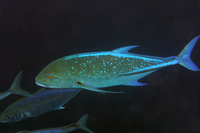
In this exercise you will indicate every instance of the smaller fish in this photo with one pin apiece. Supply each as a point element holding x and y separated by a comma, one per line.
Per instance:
<point>15,88</point>
<point>80,124</point>
<point>44,100</point>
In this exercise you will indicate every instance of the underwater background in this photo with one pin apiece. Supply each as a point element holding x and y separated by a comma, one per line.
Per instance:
<point>35,33</point>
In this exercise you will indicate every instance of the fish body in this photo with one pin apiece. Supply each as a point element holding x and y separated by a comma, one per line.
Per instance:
<point>15,88</point>
<point>44,100</point>
<point>65,129</point>
<point>95,70</point>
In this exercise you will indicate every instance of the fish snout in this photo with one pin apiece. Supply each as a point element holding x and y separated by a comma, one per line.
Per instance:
<point>3,120</point>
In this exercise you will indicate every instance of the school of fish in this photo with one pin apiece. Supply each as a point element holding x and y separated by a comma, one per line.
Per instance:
<point>67,76</point>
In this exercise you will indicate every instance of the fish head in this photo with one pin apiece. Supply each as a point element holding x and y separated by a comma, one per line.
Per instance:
<point>8,118</point>
<point>54,75</point>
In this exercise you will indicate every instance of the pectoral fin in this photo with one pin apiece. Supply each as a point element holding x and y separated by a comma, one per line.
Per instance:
<point>89,87</point>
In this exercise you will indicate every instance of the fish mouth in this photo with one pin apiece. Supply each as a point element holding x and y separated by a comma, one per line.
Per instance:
<point>42,84</point>
<point>2,120</point>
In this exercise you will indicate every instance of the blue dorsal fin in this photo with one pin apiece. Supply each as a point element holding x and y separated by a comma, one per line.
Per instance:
<point>124,49</point>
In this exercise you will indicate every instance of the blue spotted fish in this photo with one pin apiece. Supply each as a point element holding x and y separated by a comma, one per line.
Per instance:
<point>96,70</point>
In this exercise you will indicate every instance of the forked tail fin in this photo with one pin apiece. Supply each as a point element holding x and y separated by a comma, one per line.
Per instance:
<point>82,122</point>
<point>15,87</point>
<point>184,56</point>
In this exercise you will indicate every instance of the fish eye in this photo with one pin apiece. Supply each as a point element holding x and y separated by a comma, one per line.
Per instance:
<point>50,77</point>
<point>8,116</point>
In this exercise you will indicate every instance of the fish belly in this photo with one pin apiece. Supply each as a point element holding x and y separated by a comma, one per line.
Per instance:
<point>119,80</point>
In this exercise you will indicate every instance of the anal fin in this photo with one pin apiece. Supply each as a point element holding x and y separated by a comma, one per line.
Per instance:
<point>135,83</point>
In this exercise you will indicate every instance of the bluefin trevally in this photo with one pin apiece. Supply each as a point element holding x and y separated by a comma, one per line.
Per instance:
<point>44,100</point>
<point>95,70</point>
<point>15,88</point>
<point>80,124</point>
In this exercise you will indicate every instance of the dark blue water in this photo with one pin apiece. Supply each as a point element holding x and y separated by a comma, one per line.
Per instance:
<point>35,33</point>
